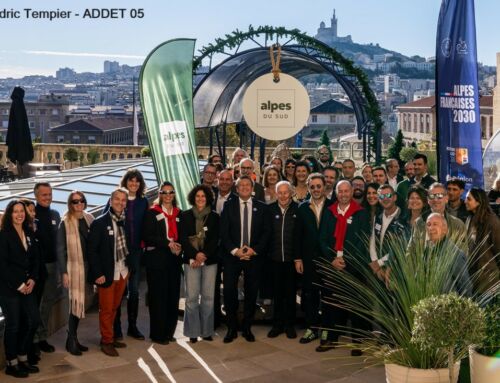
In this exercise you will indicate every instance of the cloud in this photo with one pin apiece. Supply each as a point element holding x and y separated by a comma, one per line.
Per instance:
<point>84,54</point>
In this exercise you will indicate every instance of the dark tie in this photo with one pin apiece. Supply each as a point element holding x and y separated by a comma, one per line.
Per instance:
<point>245,224</point>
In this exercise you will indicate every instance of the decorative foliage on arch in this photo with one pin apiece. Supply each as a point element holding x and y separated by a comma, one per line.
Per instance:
<point>236,38</point>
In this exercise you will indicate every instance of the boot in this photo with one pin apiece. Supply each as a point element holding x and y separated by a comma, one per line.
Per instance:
<point>132,312</point>
<point>72,345</point>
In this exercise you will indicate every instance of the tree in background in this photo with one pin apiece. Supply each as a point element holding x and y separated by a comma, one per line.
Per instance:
<point>395,148</point>
<point>93,156</point>
<point>71,155</point>
<point>146,152</point>
<point>325,140</point>
<point>407,154</point>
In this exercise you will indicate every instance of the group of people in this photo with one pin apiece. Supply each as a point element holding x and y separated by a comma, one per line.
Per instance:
<point>279,233</point>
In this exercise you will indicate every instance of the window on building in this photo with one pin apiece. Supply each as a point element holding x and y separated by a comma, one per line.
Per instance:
<point>91,139</point>
<point>55,112</point>
<point>351,118</point>
<point>30,112</point>
<point>333,118</point>
<point>130,155</point>
<point>490,127</point>
<point>121,156</point>
<point>32,124</point>
<point>5,112</point>
<point>58,155</point>
<point>483,128</point>
<point>5,124</point>
<point>75,139</point>
<point>43,112</point>
<point>113,156</point>
<point>105,156</point>
<point>60,139</point>
<point>415,121</point>
<point>314,118</point>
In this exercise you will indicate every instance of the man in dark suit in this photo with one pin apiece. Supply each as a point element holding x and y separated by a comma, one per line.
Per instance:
<point>421,176</point>
<point>247,168</point>
<point>393,176</point>
<point>107,255</point>
<point>245,232</point>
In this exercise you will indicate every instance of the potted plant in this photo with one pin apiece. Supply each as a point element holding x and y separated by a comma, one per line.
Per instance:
<point>450,323</point>
<point>387,305</point>
<point>485,359</point>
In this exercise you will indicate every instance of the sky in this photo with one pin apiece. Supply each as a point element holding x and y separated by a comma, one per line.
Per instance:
<point>40,46</point>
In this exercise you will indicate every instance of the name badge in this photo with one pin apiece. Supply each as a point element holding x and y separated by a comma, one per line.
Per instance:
<point>377,226</point>
<point>254,209</point>
<point>253,193</point>
<point>54,222</point>
<point>159,217</point>
<point>294,216</point>
<point>109,227</point>
<point>205,228</point>
<point>177,220</point>
<point>349,220</point>
<point>277,217</point>
<point>111,232</point>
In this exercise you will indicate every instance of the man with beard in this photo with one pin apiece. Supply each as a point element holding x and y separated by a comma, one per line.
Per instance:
<point>421,176</point>
<point>310,215</point>
<point>404,186</point>
<point>358,186</point>
<point>323,156</point>
<point>331,177</point>
<point>456,206</point>
<point>379,175</point>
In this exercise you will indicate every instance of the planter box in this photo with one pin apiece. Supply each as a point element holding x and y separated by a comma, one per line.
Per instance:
<point>399,374</point>
<point>483,369</point>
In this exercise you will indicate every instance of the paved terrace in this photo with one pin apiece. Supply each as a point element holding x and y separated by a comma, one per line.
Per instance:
<point>267,360</point>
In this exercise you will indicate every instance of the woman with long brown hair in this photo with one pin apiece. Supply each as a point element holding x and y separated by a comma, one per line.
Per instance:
<point>19,267</point>
<point>72,258</point>
<point>483,228</point>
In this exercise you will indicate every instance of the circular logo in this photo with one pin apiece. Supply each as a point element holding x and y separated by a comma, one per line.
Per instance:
<point>276,111</point>
<point>446,47</point>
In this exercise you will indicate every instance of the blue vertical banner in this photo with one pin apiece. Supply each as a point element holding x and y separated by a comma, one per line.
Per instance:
<point>457,95</point>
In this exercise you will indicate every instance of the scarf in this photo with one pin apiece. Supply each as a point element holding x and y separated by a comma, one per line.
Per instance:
<point>341,225</point>
<point>75,265</point>
<point>200,219</point>
<point>172,234</point>
<point>121,249</point>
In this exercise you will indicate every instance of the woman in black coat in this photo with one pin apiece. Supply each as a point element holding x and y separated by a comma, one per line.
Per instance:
<point>19,261</point>
<point>163,264</point>
<point>199,237</point>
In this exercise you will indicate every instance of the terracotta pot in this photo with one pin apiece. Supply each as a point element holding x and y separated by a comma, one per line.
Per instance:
<point>400,374</point>
<point>483,369</point>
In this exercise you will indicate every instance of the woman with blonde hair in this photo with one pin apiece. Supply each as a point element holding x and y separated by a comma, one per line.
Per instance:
<point>71,256</point>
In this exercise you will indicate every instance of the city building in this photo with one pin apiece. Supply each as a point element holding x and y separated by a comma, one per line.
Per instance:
<point>496,99</point>
<point>107,131</point>
<point>111,66</point>
<point>333,116</point>
<point>417,119</point>
<point>65,74</point>
<point>48,111</point>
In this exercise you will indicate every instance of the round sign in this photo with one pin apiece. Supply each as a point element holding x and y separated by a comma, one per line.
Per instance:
<point>276,110</point>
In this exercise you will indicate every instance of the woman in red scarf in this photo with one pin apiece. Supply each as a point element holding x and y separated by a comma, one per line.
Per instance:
<point>163,264</point>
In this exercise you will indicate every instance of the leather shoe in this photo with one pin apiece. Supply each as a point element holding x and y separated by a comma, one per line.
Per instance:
<point>290,332</point>
<point>274,332</point>
<point>16,371</point>
<point>356,352</point>
<point>193,340</point>
<point>25,366</point>
<point>46,347</point>
<point>208,338</point>
<point>247,334</point>
<point>162,342</point>
<point>82,347</point>
<point>109,349</point>
<point>33,359</point>
<point>326,346</point>
<point>231,335</point>
<point>117,344</point>
<point>134,332</point>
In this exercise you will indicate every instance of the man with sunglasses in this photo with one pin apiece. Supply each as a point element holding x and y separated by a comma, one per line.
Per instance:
<point>438,199</point>
<point>390,222</point>
<point>310,215</point>
<point>323,155</point>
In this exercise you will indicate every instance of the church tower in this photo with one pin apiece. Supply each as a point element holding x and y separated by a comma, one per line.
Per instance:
<point>334,24</point>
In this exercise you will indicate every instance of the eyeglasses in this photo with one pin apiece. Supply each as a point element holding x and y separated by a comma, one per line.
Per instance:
<point>436,196</point>
<point>385,196</point>
<point>167,192</point>
<point>77,201</point>
<point>314,187</point>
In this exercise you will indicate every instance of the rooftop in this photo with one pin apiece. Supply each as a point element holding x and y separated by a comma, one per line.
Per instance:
<point>93,124</point>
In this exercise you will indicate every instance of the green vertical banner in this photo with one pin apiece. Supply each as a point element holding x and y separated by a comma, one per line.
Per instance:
<point>166,87</point>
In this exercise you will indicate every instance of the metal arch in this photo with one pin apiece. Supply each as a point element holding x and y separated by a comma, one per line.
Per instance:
<point>349,82</point>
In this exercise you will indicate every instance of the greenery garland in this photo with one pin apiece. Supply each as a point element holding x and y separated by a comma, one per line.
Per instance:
<point>238,37</point>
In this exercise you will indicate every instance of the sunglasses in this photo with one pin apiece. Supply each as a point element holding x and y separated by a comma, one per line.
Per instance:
<point>314,187</point>
<point>436,196</point>
<point>167,192</point>
<point>385,196</point>
<point>77,201</point>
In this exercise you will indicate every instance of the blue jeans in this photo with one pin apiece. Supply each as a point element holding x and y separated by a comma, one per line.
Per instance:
<point>200,291</point>
<point>21,321</point>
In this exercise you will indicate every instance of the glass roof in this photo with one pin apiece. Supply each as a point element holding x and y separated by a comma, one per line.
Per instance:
<point>96,181</point>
